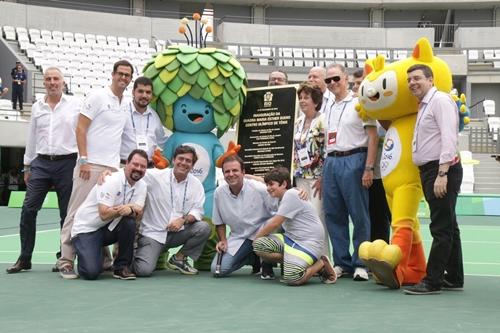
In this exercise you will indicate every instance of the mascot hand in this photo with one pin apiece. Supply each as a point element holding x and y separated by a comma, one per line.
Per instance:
<point>361,112</point>
<point>159,161</point>
<point>463,110</point>
<point>232,149</point>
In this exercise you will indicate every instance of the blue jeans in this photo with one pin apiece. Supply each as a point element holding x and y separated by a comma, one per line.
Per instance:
<point>88,247</point>
<point>344,196</point>
<point>244,256</point>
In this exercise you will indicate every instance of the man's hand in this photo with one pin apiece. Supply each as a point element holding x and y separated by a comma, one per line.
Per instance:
<point>102,178</point>
<point>124,210</point>
<point>317,188</point>
<point>302,194</point>
<point>176,224</point>
<point>367,179</point>
<point>27,175</point>
<point>221,246</point>
<point>440,186</point>
<point>85,171</point>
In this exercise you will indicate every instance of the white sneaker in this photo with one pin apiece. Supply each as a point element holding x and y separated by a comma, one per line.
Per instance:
<point>338,270</point>
<point>360,274</point>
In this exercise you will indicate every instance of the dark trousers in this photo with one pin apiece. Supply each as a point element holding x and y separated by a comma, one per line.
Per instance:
<point>17,95</point>
<point>380,214</point>
<point>44,175</point>
<point>446,250</point>
<point>89,245</point>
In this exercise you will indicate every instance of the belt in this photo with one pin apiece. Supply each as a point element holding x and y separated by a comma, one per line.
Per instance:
<point>150,163</point>
<point>347,153</point>
<point>434,165</point>
<point>58,157</point>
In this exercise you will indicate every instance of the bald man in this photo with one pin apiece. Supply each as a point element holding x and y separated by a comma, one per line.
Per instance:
<point>317,76</point>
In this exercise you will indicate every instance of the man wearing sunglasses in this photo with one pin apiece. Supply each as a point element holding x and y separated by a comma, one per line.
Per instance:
<point>317,77</point>
<point>98,136</point>
<point>351,145</point>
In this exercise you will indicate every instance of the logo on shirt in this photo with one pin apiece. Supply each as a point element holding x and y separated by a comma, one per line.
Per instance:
<point>391,153</point>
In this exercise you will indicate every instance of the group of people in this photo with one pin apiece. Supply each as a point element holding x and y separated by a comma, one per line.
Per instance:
<point>78,148</point>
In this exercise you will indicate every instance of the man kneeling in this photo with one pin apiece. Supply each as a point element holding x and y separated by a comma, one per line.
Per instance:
<point>299,248</point>
<point>108,216</point>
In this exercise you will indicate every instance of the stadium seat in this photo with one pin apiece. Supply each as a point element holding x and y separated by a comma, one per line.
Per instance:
<point>9,32</point>
<point>349,55</point>
<point>308,53</point>
<point>473,55</point>
<point>298,57</point>
<point>489,107</point>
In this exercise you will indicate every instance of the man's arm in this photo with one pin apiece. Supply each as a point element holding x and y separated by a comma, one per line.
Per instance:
<point>272,224</point>
<point>367,178</point>
<point>221,234</point>
<point>107,213</point>
<point>81,141</point>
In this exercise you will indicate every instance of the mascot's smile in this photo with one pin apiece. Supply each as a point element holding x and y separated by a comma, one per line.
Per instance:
<point>195,117</point>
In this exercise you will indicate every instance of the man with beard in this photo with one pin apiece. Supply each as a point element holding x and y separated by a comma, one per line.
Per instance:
<point>143,129</point>
<point>107,216</point>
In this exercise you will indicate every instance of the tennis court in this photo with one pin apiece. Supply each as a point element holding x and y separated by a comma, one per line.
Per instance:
<point>40,301</point>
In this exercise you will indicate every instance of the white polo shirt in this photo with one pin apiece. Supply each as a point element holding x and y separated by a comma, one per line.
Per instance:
<point>52,132</point>
<point>343,120</point>
<point>168,199</point>
<point>115,191</point>
<point>139,127</point>
<point>244,213</point>
<point>104,136</point>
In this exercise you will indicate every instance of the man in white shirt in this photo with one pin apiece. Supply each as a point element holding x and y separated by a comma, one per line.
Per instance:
<point>317,76</point>
<point>49,159</point>
<point>98,135</point>
<point>172,216</point>
<point>108,216</point>
<point>351,145</point>
<point>244,205</point>
<point>143,129</point>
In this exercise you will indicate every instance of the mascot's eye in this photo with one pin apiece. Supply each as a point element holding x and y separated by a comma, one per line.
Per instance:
<point>384,84</point>
<point>362,90</point>
<point>207,111</point>
<point>184,110</point>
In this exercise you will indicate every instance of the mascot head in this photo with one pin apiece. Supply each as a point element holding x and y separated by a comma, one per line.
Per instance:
<point>196,89</point>
<point>384,93</point>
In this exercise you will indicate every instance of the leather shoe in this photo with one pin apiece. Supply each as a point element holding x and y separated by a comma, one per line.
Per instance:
<point>19,266</point>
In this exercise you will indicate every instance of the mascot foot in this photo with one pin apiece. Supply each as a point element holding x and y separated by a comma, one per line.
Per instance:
<point>382,260</point>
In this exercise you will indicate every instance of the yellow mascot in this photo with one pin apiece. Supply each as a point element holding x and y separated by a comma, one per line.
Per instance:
<point>384,95</point>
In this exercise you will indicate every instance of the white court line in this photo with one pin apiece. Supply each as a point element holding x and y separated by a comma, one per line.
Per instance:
<point>34,252</point>
<point>38,232</point>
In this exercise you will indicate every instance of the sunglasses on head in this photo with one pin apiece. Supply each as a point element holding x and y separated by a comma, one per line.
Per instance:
<point>329,80</point>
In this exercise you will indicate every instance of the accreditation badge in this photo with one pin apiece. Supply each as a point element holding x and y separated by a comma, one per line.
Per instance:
<point>142,142</point>
<point>304,158</point>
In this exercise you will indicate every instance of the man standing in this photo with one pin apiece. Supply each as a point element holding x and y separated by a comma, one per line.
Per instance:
<point>172,216</point>
<point>107,216</point>
<point>277,78</point>
<point>317,76</point>
<point>351,145</point>
<point>49,159</point>
<point>244,205</point>
<point>18,80</point>
<point>435,148</point>
<point>98,135</point>
<point>143,129</point>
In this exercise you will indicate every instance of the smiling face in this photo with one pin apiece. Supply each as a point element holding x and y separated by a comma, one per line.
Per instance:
<point>193,115</point>
<point>233,175</point>
<point>142,95</point>
<point>121,78</point>
<point>306,103</point>
<point>183,163</point>
<point>380,92</point>
<point>276,190</point>
<point>136,168</point>
<point>53,82</point>
<point>419,84</point>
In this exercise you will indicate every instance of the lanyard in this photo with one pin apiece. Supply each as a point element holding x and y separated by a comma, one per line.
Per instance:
<point>125,193</point>
<point>132,118</point>
<point>172,195</point>
<point>341,114</point>
<point>421,115</point>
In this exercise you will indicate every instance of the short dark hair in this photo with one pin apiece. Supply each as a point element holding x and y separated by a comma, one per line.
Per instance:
<point>139,152</point>
<point>279,175</point>
<point>358,73</point>
<point>185,149</point>
<point>123,62</point>
<point>426,70</point>
<point>142,80</point>
<point>233,158</point>
<point>312,90</point>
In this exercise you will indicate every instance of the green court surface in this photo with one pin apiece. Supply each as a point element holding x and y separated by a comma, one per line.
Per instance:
<point>40,301</point>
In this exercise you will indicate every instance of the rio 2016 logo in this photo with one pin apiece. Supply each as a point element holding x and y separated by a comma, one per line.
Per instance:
<point>389,144</point>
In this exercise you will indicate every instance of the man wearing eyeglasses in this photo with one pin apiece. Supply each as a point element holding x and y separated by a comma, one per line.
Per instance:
<point>317,76</point>
<point>351,145</point>
<point>98,136</point>
<point>277,78</point>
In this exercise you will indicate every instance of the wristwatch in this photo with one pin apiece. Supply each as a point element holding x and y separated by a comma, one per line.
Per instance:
<point>369,168</point>
<point>442,173</point>
<point>82,160</point>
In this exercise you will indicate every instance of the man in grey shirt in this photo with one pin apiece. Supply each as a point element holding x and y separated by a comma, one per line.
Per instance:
<point>300,248</point>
